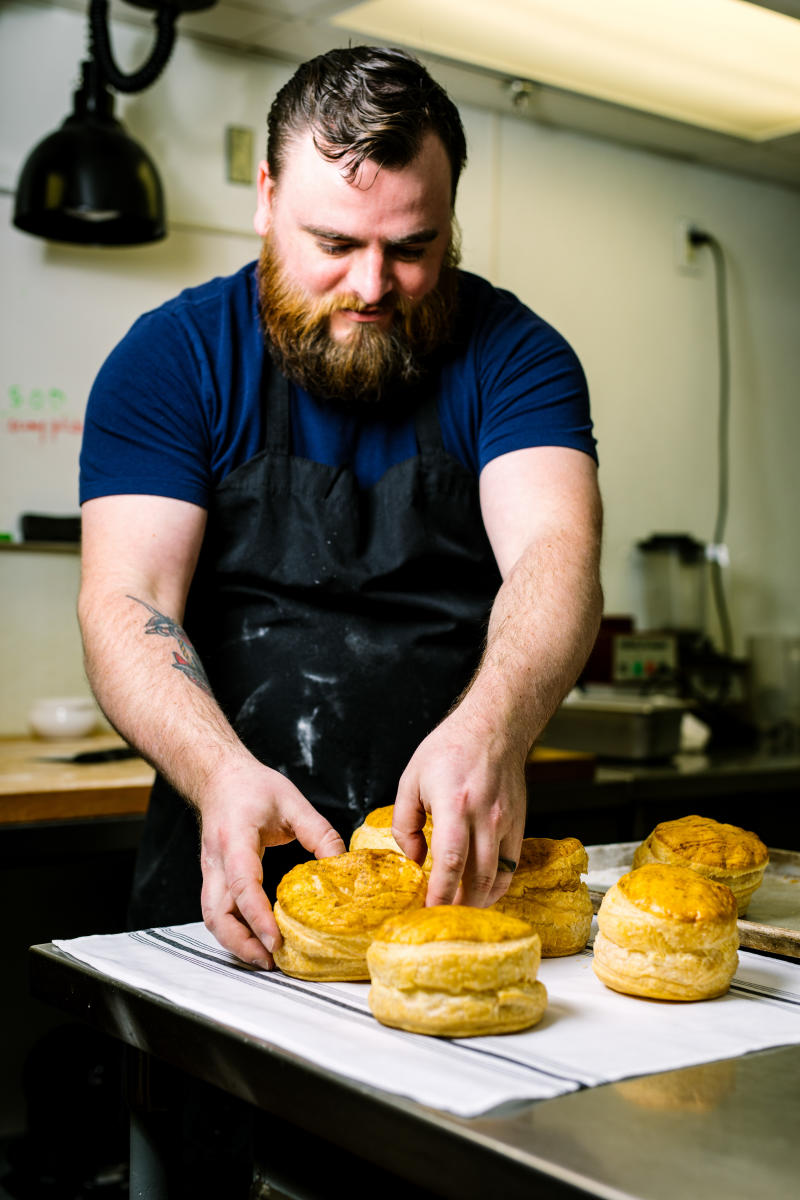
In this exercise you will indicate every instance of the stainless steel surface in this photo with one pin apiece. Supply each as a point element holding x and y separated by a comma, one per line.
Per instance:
<point>728,1129</point>
<point>725,1129</point>
<point>617,725</point>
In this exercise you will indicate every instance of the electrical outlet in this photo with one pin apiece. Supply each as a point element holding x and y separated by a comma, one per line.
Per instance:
<point>687,258</point>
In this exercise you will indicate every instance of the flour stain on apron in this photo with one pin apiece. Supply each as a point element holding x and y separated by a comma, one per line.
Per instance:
<point>337,624</point>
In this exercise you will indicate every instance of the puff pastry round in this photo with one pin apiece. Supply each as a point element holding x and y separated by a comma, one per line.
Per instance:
<point>376,833</point>
<point>547,892</point>
<point>724,853</point>
<point>328,910</point>
<point>668,934</point>
<point>454,971</point>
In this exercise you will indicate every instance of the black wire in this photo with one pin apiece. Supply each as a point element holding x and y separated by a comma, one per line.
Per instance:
<point>101,52</point>
<point>700,238</point>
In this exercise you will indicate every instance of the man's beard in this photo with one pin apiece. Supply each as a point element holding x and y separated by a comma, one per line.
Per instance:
<point>371,367</point>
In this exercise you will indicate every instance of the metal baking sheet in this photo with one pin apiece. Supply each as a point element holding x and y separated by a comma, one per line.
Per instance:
<point>773,917</point>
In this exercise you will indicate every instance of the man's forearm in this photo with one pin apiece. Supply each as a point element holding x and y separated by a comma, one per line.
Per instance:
<point>542,628</point>
<point>151,685</point>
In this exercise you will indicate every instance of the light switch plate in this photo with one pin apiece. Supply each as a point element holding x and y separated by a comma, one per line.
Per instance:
<point>239,153</point>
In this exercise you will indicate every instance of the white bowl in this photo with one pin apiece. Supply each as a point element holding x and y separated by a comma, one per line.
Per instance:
<point>63,716</point>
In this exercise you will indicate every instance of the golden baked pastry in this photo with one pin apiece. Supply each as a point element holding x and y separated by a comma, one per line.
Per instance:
<point>724,853</point>
<point>667,933</point>
<point>547,892</point>
<point>375,832</point>
<point>455,971</point>
<point>328,910</point>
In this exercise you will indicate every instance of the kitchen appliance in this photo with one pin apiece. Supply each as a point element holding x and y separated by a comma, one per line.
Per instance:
<point>673,583</point>
<point>774,688</point>
<point>671,650</point>
<point>650,668</point>
<point>612,723</point>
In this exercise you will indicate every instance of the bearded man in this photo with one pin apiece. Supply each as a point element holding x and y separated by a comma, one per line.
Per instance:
<point>341,524</point>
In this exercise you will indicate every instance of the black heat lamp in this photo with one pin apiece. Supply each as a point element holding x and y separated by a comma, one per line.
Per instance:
<point>90,183</point>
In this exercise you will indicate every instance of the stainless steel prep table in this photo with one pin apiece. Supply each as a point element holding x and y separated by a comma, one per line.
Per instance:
<point>730,1130</point>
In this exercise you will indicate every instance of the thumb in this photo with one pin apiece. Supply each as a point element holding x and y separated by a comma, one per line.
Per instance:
<point>315,833</point>
<point>331,844</point>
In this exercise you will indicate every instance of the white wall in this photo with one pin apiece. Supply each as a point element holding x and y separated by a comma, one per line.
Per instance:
<point>588,235</point>
<point>581,229</point>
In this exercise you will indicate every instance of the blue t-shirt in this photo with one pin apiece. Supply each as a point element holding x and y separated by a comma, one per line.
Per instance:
<point>177,405</point>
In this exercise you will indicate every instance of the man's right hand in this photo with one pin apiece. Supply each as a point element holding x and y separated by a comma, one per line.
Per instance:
<point>245,809</point>
<point>138,559</point>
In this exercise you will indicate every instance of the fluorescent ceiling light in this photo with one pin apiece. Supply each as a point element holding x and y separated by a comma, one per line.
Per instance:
<point>723,64</point>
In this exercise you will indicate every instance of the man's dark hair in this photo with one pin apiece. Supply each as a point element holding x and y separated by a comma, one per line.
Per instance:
<point>365,103</point>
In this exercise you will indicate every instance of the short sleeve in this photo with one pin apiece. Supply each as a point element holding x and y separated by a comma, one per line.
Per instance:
<point>146,431</point>
<point>533,390</point>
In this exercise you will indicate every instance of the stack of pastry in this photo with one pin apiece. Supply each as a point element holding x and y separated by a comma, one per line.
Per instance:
<point>454,971</point>
<point>547,892</point>
<point>724,853</point>
<point>668,934</point>
<point>329,909</point>
<point>376,833</point>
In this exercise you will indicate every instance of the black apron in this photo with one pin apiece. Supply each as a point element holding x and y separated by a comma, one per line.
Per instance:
<point>336,625</point>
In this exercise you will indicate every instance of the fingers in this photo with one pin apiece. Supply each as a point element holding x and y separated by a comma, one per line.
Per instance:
<point>450,851</point>
<point>485,873</point>
<point>477,803</point>
<point>235,907</point>
<point>479,896</point>
<point>507,861</point>
<point>482,883</point>
<point>408,819</point>
<point>251,903</point>
<point>231,933</point>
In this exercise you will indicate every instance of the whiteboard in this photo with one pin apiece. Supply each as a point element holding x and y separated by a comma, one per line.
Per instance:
<point>62,309</point>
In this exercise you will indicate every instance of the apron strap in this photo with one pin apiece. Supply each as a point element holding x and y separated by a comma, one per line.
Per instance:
<point>276,408</point>
<point>426,424</point>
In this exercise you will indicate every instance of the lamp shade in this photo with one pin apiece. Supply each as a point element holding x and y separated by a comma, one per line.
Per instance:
<point>89,182</point>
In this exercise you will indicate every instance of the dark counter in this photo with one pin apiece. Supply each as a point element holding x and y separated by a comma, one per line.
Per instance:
<point>755,789</point>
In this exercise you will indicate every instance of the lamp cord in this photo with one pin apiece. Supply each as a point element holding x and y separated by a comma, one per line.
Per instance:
<point>700,238</point>
<point>101,52</point>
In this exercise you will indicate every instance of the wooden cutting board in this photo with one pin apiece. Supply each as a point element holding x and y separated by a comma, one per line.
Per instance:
<point>773,917</point>
<point>36,786</point>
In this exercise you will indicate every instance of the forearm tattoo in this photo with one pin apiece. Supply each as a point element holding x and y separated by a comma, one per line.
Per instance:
<point>185,657</point>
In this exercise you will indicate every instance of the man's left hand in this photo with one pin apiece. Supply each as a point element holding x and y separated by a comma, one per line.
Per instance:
<point>472,782</point>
